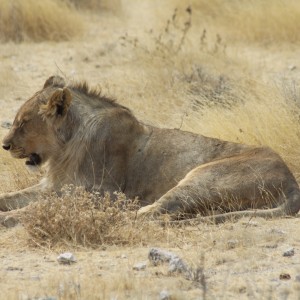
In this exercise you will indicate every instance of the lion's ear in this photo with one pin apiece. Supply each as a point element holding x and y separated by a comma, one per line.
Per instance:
<point>54,81</point>
<point>58,104</point>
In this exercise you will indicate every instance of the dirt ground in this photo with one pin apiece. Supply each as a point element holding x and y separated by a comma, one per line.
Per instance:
<point>238,260</point>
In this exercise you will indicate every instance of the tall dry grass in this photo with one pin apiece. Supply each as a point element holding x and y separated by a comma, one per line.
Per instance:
<point>254,20</point>
<point>257,113</point>
<point>52,20</point>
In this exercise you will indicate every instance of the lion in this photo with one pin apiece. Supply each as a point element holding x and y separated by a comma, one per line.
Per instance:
<point>83,138</point>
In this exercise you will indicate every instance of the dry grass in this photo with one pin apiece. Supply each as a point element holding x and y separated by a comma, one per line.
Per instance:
<point>87,219</point>
<point>263,115</point>
<point>254,21</point>
<point>52,20</point>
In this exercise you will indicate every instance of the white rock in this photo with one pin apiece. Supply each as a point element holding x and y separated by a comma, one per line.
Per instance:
<point>176,264</point>
<point>140,266</point>
<point>66,258</point>
<point>292,67</point>
<point>164,295</point>
<point>232,243</point>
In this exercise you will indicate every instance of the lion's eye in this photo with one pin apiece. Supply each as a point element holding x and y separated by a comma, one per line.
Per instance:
<point>22,124</point>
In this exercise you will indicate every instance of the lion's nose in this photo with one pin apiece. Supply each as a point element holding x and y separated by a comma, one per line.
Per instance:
<point>6,146</point>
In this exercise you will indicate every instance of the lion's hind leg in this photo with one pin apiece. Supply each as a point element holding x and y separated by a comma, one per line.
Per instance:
<point>255,180</point>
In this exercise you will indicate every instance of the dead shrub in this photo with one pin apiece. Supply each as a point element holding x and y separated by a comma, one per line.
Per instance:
<point>38,21</point>
<point>82,218</point>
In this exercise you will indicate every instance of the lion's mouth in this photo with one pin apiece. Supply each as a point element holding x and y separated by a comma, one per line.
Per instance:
<point>33,160</point>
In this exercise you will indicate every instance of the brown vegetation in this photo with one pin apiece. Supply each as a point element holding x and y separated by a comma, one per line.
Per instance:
<point>252,21</point>
<point>87,219</point>
<point>38,21</point>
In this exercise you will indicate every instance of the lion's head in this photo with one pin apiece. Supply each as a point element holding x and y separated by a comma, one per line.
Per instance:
<point>33,134</point>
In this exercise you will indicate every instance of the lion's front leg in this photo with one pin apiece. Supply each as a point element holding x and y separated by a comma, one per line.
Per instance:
<point>177,202</point>
<point>19,199</point>
<point>152,211</point>
<point>11,218</point>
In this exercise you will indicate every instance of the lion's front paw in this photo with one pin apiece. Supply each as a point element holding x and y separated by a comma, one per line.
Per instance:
<point>9,219</point>
<point>149,212</point>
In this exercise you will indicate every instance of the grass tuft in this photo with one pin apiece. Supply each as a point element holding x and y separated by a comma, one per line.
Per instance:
<point>22,20</point>
<point>87,219</point>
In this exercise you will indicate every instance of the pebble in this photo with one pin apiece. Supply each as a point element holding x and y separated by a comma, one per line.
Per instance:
<point>66,258</point>
<point>284,276</point>
<point>164,295</point>
<point>289,252</point>
<point>157,256</point>
<point>277,231</point>
<point>26,297</point>
<point>140,266</point>
<point>292,67</point>
<point>232,243</point>
<point>6,124</point>
<point>176,264</point>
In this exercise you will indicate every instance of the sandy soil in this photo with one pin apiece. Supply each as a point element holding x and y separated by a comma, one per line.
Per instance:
<point>242,260</point>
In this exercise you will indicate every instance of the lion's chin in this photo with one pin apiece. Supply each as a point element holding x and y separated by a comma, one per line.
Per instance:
<point>33,160</point>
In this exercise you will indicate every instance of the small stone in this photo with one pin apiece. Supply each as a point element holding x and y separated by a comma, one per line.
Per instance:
<point>289,252</point>
<point>123,256</point>
<point>66,258</point>
<point>177,265</point>
<point>284,276</point>
<point>26,297</point>
<point>232,243</point>
<point>36,278</point>
<point>9,221</point>
<point>157,256</point>
<point>140,266</point>
<point>14,269</point>
<point>271,246</point>
<point>164,295</point>
<point>6,124</point>
<point>292,67</point>
<point>277,231</point>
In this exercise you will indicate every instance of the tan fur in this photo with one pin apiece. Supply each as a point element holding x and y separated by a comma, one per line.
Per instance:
<point>86,139</point>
